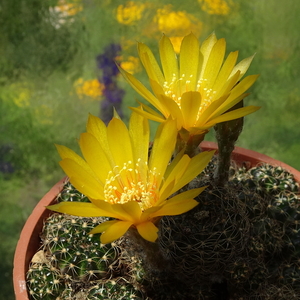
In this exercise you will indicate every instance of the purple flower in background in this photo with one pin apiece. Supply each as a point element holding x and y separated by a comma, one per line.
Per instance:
<point>113,95</point>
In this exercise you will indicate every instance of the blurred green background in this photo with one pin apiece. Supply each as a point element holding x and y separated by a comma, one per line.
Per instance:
<point>50,79</point>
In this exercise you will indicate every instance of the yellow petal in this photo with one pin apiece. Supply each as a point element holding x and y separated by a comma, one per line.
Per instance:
<point>95,156</point>
<point>195,167</point>
<point>205,50</point>
<point>168,59</point>
<point>116,211</point>
<point>102,227</point>
<point>242,66</point>
<point>133,209</point>
<point>236,92</point>
<point>235,114</point>
<point>225,71</point>
<point>141,89</point>
<point>156,88</point>
<point>114,231</point>
<point>190,103</point>
<point>173,208</point>
<point>148,231</point>
<point>98,129</point>
<point>189,60</point>
<point>173,109</point>
<point>163,147</point>
<point>65,152</point>
<point>82,180</point>
<point>148,115</point>
<point>227,87</point>
<point>210,111</point>
<point>177,172</point>
<point>139,133</point>
<point>150,64</point>
<point>214,62</point>
<point>77,209</point>
<point>119,142</point>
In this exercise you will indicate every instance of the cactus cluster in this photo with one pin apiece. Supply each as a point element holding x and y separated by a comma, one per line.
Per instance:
<point>243,239</point>
<point>73,264</point>
<point>242,242</point>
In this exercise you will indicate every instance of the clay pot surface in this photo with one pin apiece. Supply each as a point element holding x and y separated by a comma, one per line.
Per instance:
<point>29,241</point>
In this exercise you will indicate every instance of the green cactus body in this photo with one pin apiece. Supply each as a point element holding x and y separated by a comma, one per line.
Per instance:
<point>242,240</point>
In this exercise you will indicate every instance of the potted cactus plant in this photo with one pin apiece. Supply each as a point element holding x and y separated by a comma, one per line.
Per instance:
<point>176,220</point>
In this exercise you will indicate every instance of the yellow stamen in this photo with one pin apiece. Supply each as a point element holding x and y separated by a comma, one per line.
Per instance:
<point>126,184</point>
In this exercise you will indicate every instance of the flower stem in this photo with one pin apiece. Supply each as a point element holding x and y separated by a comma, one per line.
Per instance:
<point>152,257</point>
<point>227,134</point>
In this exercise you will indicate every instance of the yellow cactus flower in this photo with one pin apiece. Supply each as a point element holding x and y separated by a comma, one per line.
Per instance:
<point>198,90</point>
<point>215,7</point>
<point>130,12</point>
<point>91,88</point>
<point>123,183</point>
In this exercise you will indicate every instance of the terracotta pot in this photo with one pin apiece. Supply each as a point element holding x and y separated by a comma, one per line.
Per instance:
<point>29,241</point>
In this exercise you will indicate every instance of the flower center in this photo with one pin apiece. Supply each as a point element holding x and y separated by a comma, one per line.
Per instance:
<point>132,183</point>
<point>176,87</point>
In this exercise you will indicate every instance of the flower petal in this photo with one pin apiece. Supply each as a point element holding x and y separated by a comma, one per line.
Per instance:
<point>209,112</point>
<point>81,209</point>
<point>141,89</point>
<point>225,71</point>
<point>163,147</point>
<point>205,50</point>
<point>102,227</point>
<point>189,60</point>
<point>195,167</point>
<point>148,115</point>
<point>133,209</point>
<point>65,152</point>
<point>139,133</point>
<point>242,66</point>
<point>190,103</point>
<point>115,231</point>
<point>119,142</point>
<point>98,129</point>
<point>150,64</point>
<point>168,59</point>
<point>148,231</point>
<point>236,92</point>
<point>177,207</point>
<point>177,171</point>
<point>95,156</point>
<point>173,109</point>
<point>81,179</point>
<point>214,62</point>
<point>235,114</point>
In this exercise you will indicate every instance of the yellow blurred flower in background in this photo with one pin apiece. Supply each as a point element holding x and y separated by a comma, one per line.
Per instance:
<point>215,7</point>
<point>91,88</point>
<point>129,12</point>
<point>131,65</point>
<point>177,24</point>
<point>67,8</point>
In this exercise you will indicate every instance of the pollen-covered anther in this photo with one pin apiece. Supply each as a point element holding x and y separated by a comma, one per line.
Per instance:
<point>129,185</point>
